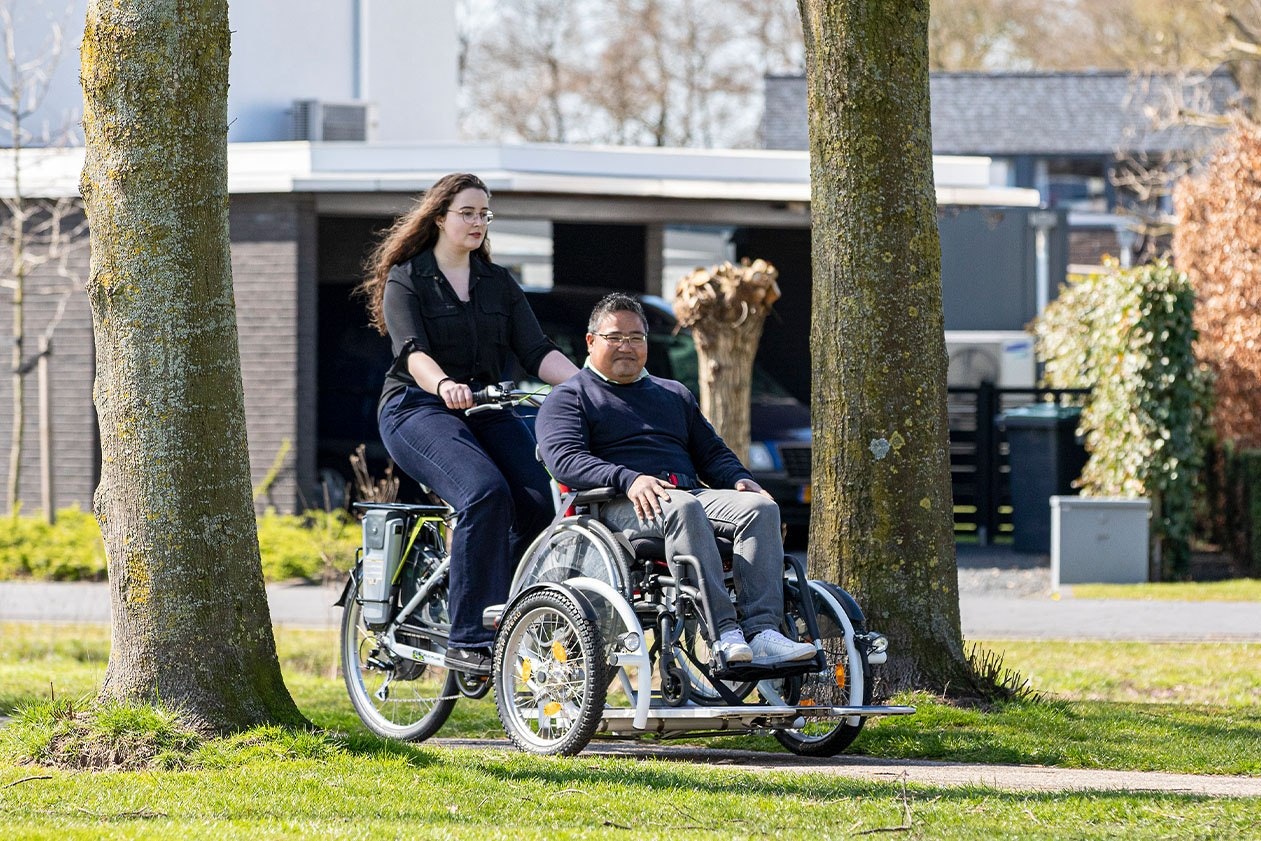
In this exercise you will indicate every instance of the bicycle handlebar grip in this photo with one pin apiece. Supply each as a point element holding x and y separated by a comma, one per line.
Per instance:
<point>493,393</point>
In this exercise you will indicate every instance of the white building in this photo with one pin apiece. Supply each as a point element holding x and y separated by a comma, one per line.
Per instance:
<point>380,69</point>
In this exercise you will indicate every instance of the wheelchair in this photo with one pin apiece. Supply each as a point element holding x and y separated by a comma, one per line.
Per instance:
<point>603,636</point>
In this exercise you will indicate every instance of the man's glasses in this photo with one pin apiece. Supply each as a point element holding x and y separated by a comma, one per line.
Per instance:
<point>471,216</point>
<point>632,339</point>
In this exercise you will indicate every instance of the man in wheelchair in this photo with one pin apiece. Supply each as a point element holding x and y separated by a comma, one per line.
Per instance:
<point>615,425</point>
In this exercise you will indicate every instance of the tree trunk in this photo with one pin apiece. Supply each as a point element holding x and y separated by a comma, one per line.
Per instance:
<point>726,306</point>
<point>881,521</point>
<point>191,626</point>
<point>18,248</point>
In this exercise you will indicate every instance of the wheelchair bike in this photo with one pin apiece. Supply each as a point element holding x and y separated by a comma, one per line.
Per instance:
<point>600,636</point>
<point>606,636</point>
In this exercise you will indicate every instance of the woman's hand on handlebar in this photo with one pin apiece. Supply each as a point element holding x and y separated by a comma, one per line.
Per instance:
<point>455,395</point>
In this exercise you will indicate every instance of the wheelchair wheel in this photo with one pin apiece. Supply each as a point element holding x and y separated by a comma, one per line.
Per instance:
<point>395,698</point>
<point>844,682</point>
<point>579,546</point>
<point>549,674</point>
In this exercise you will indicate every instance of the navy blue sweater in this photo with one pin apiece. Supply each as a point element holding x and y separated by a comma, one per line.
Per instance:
<point>594,434</point>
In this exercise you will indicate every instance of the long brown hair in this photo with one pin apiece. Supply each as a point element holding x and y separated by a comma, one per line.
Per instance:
<point>412,233</point>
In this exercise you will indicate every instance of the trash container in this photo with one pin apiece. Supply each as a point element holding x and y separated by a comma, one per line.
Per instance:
<point>1045,457</point>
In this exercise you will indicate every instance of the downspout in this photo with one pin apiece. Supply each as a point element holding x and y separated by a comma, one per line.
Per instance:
<point>359,50</point>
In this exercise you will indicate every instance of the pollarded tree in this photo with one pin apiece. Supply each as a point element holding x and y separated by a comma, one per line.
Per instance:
<point>726,306</point>
<point>882,519</point>
<point>191,626</point>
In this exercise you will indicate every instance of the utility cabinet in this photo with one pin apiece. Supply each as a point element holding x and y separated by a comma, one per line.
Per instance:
<point>1099,540</point>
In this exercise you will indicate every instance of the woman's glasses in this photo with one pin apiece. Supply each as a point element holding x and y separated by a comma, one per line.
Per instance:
<point>472,216</point>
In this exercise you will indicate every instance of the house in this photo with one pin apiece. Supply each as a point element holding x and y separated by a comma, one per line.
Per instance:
<point>331,137</point>
<point>1075,137</point>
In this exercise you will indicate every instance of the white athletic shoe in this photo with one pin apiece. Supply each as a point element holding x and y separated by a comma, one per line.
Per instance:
<point>771,648</point>
<point>733,646</point>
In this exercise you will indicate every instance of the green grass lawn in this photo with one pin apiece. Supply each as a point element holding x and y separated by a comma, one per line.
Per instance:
<point>1170,707</point>
<point>1233,590</point>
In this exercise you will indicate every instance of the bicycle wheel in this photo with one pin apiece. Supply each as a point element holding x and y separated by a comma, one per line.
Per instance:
<point>703,690</point>
<point>844,682</point>
<point>394,698</point>
<point>549,674</point>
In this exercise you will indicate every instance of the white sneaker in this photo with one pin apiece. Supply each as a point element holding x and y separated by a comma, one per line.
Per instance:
<point>733,647</point>
<point>771,648</point>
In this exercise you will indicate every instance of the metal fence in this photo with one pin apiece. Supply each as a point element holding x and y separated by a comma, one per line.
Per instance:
<point>980,474</point>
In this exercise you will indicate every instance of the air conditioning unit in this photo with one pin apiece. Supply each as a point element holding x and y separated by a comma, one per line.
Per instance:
<point>1002,357</point>
<point>320,120</point>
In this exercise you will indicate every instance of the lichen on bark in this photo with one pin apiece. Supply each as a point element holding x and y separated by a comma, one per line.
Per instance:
<point>191,626</point>
<point>881,515</point>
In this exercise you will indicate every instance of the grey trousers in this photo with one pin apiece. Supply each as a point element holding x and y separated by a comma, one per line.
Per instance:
<point>689,522</point>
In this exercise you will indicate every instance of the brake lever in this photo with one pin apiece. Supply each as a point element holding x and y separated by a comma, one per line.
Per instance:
<point>483,407</point>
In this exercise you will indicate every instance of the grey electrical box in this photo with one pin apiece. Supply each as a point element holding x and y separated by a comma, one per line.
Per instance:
<point>1098,540</point>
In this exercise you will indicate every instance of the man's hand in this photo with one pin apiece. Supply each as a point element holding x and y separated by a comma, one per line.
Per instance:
<point>646,493</point>
<point>754,487</point>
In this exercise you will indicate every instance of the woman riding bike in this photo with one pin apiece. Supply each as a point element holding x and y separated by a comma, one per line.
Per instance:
<point>453,318</point>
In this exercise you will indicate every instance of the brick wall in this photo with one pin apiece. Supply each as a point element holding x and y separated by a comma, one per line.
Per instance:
<point>273,271</point>
<point>1087,247</point>
<point>71,371</point>
<point>273,266</point>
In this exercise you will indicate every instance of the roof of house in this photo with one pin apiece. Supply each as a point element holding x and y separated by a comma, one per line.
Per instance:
<point>1035,113</point>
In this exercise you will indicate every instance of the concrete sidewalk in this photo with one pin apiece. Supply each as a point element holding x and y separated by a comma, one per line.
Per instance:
<point>990,612</point>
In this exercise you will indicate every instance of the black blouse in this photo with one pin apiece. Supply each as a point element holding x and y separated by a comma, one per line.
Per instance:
<point>470,340</point>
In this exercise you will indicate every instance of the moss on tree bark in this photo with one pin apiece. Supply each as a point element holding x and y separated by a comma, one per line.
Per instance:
<point>882,519</point>
<point>191,626</point>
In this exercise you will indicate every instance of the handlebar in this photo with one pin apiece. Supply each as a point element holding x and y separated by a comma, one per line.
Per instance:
<point>499,396</point>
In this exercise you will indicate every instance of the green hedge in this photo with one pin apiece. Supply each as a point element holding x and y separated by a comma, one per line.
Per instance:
<point>1127,335</point>
<point>307,546</point>
<point>1234,496</point>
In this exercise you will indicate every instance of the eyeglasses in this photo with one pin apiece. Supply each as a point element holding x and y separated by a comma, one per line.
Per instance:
<point>472,216</point>
<point>632,339</point>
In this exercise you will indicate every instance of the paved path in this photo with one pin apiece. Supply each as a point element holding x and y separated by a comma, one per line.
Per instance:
<point>919,771</point>
<point>988,612</point>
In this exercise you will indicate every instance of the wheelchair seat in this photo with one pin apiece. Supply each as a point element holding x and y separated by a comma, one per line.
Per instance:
<point>654,548</point>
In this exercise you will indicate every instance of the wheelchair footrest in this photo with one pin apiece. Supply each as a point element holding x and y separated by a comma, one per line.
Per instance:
<point>745,672</point>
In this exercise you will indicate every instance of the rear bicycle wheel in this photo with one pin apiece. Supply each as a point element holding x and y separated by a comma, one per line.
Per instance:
<point>394,698</point>
<point>703,689</point>
<point>845,681</point>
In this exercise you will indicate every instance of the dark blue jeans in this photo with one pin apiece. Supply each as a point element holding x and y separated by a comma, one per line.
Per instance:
<point>484,467</point>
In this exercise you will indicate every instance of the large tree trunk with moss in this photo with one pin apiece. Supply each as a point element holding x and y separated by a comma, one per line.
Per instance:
<point>191,626</point>
<point>881,521</point>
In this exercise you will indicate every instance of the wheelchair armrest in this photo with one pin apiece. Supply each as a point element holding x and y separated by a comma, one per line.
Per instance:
<point>595,495</point>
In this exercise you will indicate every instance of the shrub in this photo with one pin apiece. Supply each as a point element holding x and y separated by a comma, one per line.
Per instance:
<point>306,546</point>
<point>1128,335</point>
<point>1218,243</point>
<point>69,550</point>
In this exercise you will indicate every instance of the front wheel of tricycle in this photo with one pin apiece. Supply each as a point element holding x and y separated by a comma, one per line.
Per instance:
<point>549,674</point>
